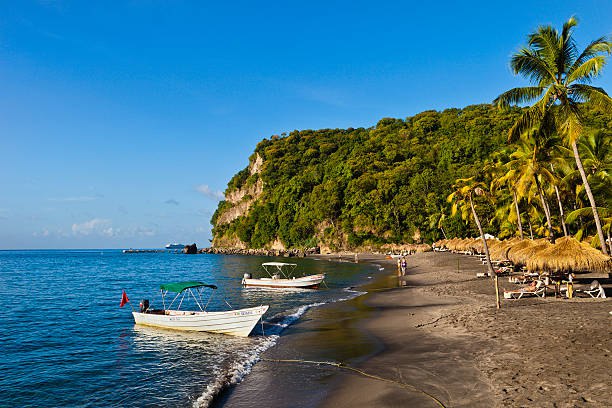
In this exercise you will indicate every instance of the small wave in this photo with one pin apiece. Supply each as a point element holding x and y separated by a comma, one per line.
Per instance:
<point>235,373</point>
<point>276,324</point>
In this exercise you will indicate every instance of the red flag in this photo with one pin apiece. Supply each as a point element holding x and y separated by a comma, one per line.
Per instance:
<point>124,299</point>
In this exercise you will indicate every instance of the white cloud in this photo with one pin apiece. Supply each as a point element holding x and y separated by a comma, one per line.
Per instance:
<point>44,233</point>
<point>213,195</point>
<point>96,225</point>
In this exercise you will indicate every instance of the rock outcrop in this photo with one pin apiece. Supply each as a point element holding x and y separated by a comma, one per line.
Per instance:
<point>262,252</point>
<point>190,249</point>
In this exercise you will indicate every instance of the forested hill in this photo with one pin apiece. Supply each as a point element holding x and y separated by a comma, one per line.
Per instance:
<point>351,188</point>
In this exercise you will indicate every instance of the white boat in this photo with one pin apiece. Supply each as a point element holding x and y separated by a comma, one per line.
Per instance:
<point>175,245</point>
<point>235,322</point>
<point>281,276</point>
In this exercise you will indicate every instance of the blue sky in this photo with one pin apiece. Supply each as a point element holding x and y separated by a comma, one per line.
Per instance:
<point>122,122</point>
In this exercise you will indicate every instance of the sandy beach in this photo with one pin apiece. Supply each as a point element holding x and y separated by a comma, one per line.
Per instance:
<point>434,338</point>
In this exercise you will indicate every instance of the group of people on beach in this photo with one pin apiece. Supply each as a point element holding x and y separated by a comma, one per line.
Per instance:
<point>402,265</point>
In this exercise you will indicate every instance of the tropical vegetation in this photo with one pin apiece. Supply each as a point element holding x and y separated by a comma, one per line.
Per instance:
<point>541,171</point>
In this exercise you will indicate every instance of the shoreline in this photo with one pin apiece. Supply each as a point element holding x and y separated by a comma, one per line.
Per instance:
<point>440,337</point>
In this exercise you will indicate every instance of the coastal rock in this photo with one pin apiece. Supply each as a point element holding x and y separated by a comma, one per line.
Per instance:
<point>190,249</point>
<point>288,253</point>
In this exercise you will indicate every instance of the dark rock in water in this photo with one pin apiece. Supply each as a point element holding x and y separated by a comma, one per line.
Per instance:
<point>190,249</point>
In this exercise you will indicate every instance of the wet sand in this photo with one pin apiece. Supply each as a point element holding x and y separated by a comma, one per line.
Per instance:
<point>438,341</point>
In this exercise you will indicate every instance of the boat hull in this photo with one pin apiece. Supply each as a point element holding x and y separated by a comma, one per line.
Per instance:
<point>305,282</point>
<point>238,322</point>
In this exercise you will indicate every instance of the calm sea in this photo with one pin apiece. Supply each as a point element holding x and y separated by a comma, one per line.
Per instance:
<point>66,342</point>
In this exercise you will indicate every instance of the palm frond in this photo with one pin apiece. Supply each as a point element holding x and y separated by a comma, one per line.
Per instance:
<point>585,212</point>
<point>587,93</point>
<point>544,41</point>
<point>570,121</point>
<point>518,96</point>
<point>530,64</point>
<point>567,45</point>
<point>587,71</point>
<point>598,46</point>
<point>526,121</point>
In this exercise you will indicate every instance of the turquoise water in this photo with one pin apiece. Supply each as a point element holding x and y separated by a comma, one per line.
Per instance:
<point>66,342</point>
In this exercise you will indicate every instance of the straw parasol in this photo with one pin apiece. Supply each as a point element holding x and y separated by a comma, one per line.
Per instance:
<point>499,251</point>
<point>569,255</point>
<point>521,252</point>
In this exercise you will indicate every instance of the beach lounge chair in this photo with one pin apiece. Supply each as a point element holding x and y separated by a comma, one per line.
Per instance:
<point>595,290</point>
<point>537,289</point>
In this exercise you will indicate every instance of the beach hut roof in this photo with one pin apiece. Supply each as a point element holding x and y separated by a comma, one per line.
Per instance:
<point>569,255</point>
<point>522,251</point>
<point>499,251</point>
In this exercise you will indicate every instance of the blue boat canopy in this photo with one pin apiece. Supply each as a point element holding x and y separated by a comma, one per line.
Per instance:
<point>178,287</point>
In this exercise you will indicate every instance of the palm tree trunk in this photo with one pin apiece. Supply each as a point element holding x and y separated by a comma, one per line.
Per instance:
<point>562,214</point>
<point>518,214</point>
<point>546,211</point>
<point>609,241</point>
<point>486,248</point>
<point>560,205</point>
<point>587,188</point>
<point>444,233</point>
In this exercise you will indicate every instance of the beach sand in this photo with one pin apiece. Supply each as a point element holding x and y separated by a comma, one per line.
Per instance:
<point>434,338</point>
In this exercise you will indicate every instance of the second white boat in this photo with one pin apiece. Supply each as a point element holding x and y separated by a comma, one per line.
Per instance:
<point>281,276</point>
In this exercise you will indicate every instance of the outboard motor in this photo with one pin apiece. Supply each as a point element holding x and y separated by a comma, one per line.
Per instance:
<point>144,305</point>
<point>245,277</point>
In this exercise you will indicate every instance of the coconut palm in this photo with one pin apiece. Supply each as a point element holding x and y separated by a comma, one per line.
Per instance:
<point>561,77</point>
<point>463,201</point>
<point>596,151</point>
<point>508,211</point>
<point>529,172</point>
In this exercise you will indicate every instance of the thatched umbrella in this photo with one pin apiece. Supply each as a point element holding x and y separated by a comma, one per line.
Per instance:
<point>569,255</point>
<point>492,243</point>
<point>499,252</point>
<point>521,252</point>
<point>453,244</point>
<point>422,248</point>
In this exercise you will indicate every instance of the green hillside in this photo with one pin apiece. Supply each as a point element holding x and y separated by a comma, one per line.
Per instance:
<point>356,188</point>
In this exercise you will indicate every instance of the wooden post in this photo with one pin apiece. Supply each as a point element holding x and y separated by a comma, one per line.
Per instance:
<point>497,302</point>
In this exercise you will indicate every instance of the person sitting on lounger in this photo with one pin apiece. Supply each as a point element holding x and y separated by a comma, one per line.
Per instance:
<point>531,287</point>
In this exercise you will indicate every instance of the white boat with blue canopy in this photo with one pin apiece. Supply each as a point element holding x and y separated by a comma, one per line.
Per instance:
<point>235,322</point>
<point>280,275</point>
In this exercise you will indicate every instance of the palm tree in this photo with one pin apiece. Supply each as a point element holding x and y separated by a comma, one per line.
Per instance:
<point>501,177</point>
<point>462,197</point>
<point>596,149</point>
<point>560,75</point>
<point>528,172</point>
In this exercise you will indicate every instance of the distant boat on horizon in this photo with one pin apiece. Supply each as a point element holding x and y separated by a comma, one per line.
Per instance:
<point>175,245</point>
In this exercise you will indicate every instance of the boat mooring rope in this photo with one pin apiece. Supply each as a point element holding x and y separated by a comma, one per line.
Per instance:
<point>361,372</point>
